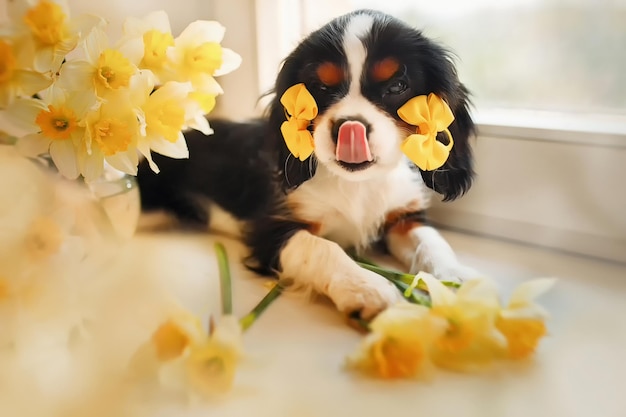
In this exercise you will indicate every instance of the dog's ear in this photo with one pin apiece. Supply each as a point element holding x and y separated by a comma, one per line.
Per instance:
<point>291,170</point>
<point>455,177</point>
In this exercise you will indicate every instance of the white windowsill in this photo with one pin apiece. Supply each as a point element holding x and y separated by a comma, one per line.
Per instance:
<point>604,130</point>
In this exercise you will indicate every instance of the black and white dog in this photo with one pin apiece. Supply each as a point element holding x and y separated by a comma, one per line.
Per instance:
<point>297,217</point>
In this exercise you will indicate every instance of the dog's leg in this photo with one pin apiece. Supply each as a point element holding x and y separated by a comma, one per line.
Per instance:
<point>323,265</point>
<point>422,248</point>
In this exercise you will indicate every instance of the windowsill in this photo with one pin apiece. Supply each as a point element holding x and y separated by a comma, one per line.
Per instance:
<point>603,130</point>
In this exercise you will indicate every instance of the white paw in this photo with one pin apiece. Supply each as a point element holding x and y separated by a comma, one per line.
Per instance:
<point>362,291</point>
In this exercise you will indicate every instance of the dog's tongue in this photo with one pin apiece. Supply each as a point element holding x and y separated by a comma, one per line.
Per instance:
<point>352,146</point>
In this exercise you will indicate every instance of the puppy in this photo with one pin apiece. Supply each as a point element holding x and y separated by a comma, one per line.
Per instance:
<point>356,189</point>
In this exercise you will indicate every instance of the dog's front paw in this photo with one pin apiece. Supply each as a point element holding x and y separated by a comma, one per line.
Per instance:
<point>362,291</point>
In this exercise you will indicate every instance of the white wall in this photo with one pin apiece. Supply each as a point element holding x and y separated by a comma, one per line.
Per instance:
<point>564,195</point>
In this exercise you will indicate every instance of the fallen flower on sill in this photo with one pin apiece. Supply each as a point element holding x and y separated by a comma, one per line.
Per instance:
<point>398,344</point>
<point>464,330</point>
<point>181,356</point>
<point>522,322</point>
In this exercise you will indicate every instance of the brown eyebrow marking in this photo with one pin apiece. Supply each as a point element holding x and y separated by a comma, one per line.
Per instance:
<point>384,69</point>
<point>330,74</point>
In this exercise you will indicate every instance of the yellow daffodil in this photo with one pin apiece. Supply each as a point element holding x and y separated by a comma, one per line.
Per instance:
<point>197,56</point>
<point>55,127</point>
<point>17,79</point>
<point>522,321</point>
<point>211,366</point>
<point>470,338</point>
<point>112,133</point>
<point>163,115</point>
<point>146,42</point>
<point>398,345</point>
<point>52,34</point>
<point>301,109</point>
<point>100,69</point>
<point>431,115</point>
<point>182,356</point>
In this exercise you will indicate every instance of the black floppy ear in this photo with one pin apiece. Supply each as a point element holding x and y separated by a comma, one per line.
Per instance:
<point>292,171</point>
<point>455,177</point>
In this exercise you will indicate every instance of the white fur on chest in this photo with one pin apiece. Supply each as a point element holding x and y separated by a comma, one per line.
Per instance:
<point>352,212</point>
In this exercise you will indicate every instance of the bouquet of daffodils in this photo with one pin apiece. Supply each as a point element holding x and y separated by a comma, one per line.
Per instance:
<point>86,101</point>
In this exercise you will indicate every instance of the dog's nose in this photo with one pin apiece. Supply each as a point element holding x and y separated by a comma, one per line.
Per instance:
<point>351,139</point>
<point>354,124</point>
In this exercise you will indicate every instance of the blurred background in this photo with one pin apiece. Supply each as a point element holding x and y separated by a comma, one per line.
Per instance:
<point>548,79</point>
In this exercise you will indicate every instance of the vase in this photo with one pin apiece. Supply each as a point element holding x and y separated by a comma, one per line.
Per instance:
<point>118,195</point>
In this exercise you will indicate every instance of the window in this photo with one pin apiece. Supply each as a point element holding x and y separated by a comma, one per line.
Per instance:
<point>547,55</point>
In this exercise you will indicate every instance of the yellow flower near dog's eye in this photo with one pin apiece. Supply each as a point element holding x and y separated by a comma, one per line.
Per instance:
<point>398,345</point>
<point>522,321</point>
<point>301,109</point>
<point>431,115</point>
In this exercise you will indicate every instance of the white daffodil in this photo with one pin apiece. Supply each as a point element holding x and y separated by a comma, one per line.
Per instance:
<point>162,113</point>
<point>51,32</point>
<point>146,42</point>
<point>99,69</point>
<point>17,79</point>
<point>111,135</point>
<point>470,339</point>
<point>522,320</point>
<point>55,127</point>
<point>197,56</point>
<point>181,356</point>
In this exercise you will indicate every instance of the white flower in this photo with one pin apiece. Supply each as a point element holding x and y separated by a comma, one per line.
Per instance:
<point>51,32</point>
<point>197,56</point>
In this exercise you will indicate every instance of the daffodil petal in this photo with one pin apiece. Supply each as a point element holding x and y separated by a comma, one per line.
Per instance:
<point>527,292</point>
<point>206,84</point>
<point>231,61</point>
<point>23,113</point>
<point>64,156</point>
<point>228,332</point>
<point>177,150</point>
<point>158,20</point>
<point>33,145</point>
<point>32,82</point>
<point>95,42</point>
<point>144,148</point>
<point>75,75</point>
<point>132,49</point>
<point>479,291</point>
<point>91,165</point>
<point>124,161</point>
<point>201,31</point>
<point>199,123</point>
<point>439,293</point>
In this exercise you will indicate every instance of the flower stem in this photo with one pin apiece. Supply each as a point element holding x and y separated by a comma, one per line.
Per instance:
<point>226,287</point>
<point>250,318</point>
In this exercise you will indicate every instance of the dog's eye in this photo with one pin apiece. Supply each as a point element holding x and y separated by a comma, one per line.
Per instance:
<point>397,87</point>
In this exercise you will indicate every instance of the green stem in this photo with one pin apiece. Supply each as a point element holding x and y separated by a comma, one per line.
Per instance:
<point>226,287</point>
<point>249,319</point>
